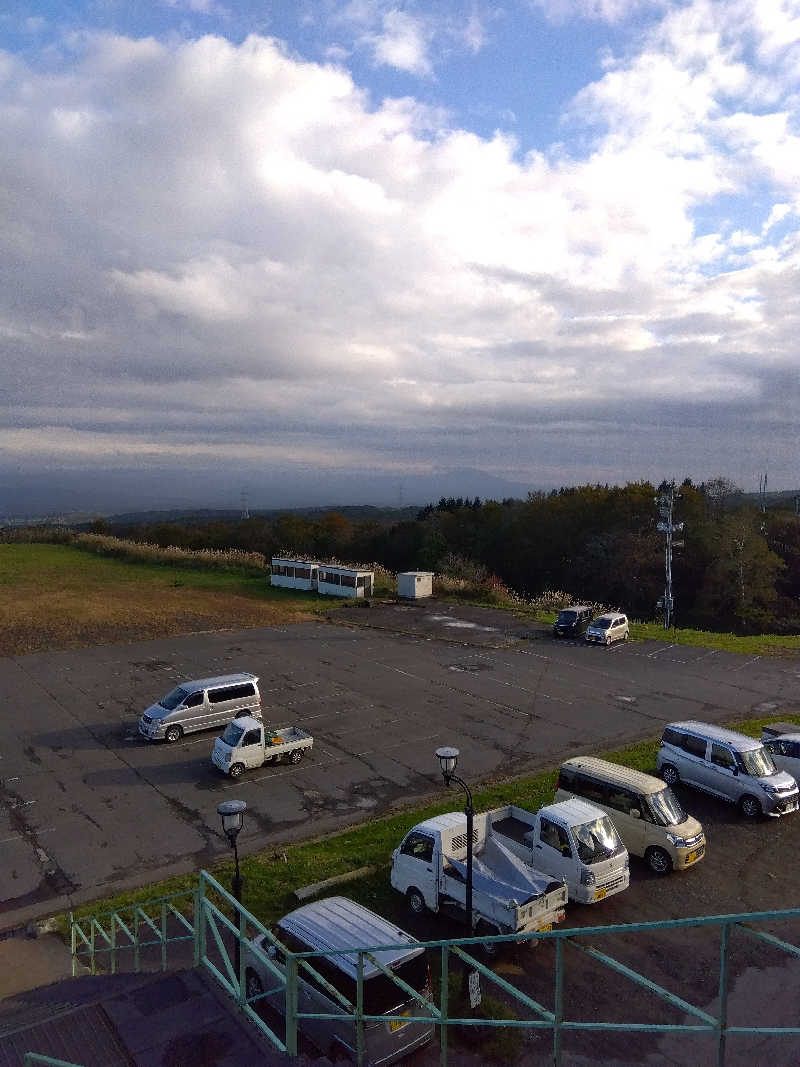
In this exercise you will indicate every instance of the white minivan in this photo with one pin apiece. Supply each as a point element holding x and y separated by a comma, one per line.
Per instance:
<point>611,627</point>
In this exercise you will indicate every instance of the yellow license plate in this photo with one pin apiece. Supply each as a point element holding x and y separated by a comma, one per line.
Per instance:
<point>600,894</point>
<point>692,856</point>
<point>398,1024</point>
<point>544,929</point>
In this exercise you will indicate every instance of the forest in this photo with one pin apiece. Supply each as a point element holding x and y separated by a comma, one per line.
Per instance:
<point>736,565</point>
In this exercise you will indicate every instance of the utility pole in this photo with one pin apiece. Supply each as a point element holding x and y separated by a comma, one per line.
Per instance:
<point>666,505</point>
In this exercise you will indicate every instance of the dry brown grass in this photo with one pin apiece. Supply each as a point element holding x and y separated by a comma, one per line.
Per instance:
<point>55,597</point>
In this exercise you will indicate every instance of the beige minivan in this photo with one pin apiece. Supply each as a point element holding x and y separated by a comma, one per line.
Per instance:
<point>647,814</point>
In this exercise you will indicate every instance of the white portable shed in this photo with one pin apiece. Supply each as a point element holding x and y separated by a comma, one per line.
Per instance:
<point>345,581</point>
<point>415,584</point>
<point>294,573</point>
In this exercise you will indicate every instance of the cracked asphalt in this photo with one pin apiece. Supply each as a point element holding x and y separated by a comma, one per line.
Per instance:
<point>89,808</point>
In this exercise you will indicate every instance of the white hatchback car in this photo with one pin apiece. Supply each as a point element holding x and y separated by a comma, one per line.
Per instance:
<point>608,628</point>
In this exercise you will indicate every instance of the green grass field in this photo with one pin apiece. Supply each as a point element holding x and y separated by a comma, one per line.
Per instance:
<point>58,596</point>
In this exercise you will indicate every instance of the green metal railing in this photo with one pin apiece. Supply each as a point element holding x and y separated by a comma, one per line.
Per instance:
<point>199,918</point>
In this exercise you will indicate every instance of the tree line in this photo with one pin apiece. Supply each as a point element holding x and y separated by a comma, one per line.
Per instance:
<point>738,568</point>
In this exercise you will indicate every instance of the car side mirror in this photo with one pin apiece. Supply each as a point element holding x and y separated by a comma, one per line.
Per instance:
<point>735,771</point>
<point>635,813</point>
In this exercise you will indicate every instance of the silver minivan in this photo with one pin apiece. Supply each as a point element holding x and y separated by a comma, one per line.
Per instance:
<point>331,925</point>
<point>727,764</point>
<point>201,705</point>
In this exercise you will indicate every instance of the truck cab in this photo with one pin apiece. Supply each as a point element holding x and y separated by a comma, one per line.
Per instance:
<point>571,840</point>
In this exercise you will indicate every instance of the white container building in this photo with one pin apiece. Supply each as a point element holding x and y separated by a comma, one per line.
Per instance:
<point>344,581</point>
<point>294,573</point>
<point>415,584</point>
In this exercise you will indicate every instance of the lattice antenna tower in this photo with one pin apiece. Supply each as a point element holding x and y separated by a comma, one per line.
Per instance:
<point>245,510</point>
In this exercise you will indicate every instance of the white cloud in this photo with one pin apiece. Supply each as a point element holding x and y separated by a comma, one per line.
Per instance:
<point>600,10</point>
<point>214,246</point>
<point>402,42</point>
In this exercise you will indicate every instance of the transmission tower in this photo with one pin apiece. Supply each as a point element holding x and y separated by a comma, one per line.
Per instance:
<point>245,512</point>
<point>666,506</point>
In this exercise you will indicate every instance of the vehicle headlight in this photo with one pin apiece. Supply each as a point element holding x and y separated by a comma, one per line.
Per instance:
<point>588,877</point>
<point>679,842</point>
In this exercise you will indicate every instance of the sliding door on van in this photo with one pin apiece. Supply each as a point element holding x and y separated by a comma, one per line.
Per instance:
<point>693,767</point>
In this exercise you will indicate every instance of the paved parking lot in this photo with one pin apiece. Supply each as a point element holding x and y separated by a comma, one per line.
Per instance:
<point>90,808</point>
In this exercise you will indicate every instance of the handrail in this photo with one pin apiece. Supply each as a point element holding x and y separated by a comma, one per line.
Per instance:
<point>205,915</point>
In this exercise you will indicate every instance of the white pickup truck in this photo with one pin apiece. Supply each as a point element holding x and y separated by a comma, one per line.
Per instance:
<point>248,743</point>
<point>572,840</point>
<point>508,897</point>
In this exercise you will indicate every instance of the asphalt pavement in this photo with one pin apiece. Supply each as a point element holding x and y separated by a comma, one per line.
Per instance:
<point>91,809</point>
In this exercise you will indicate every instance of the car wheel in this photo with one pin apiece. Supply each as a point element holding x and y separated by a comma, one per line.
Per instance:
<point>237,770</point>
<point>749,807</point>
<point>416,901</point>
<point>670,774</point>
<point>173,734</point>
<point>658,860</point>
<point>252,984</point>
<point>296,755</point>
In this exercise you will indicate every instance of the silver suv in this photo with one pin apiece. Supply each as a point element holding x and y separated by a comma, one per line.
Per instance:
<point>727,764</point>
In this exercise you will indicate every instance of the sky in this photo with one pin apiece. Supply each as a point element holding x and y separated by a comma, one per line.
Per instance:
<point>380,251</point>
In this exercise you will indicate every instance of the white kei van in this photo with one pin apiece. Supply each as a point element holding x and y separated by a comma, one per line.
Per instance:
<point>608,628</point>
<point>647,814</point>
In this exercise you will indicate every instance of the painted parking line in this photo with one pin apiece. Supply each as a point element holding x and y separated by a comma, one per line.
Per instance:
<point>658,651</point>
<point>742,666</point>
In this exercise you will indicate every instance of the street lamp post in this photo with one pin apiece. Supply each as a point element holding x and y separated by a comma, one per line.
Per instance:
<point>231,812</point>
<point>448,758</point>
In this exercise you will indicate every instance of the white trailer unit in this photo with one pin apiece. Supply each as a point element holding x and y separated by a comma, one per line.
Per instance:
<point>572,840</point>
<point>294,573</point>
<point>413,585</point>
<point>345,581</point>
<point>508,897</point>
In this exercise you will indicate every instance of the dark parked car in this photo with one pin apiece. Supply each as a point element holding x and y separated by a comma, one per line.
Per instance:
<point>572,621</point>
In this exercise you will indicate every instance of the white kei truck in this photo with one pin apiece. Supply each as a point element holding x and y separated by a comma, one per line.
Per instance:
<point>508,897</point>
<point>572,840</point>
<point>249,743</point>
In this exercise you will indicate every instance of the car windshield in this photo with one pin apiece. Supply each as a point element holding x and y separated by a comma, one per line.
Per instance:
<point>596,840</point>
<point>602,623</point>
<point>173,699</point>
<point>757,762</point>
<point>666,808</point>
<point>233,734</point>
<point>567,616</point>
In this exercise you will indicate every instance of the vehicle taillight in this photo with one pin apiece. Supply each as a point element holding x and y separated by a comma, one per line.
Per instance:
<point>558,785</point>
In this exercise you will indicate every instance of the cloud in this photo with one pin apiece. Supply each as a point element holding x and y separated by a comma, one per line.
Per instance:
<point>402,43</point>
<point>597,10</point>
<point>220,248</point>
